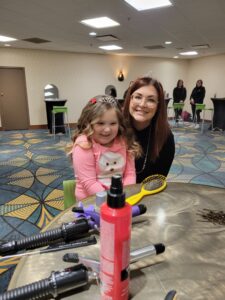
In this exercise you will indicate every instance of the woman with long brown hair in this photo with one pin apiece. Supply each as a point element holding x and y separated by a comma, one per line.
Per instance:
<point>145,111</point>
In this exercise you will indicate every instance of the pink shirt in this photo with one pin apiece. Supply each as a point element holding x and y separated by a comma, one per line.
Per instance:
<point>94,167</point>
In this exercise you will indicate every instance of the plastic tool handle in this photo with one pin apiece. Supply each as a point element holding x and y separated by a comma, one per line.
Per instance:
<point>134,199</point>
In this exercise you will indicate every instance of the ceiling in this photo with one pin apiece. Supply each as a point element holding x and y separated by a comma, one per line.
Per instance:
<point>187,23</point>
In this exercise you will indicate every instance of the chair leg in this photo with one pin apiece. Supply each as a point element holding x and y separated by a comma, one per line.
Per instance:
<point>53,125</point>
<point>68,126</point>
<point>212,116</point>
<point>203,120</point>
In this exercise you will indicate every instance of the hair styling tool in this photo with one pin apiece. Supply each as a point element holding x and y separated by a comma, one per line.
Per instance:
<point>67,232</point>
<point>149,186</point>
<point>93,217</point>
<point>87,219</point>
<point>71,278</point>
<point>79,243</point>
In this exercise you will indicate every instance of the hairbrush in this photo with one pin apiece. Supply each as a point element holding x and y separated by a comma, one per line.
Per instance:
<point>149,186</point>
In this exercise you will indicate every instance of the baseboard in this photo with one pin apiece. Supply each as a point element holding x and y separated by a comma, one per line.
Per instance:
<point>38,127</point>
<point>43,126</point>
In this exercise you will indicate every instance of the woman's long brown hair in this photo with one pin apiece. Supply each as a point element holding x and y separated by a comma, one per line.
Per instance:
<point>160,129</point>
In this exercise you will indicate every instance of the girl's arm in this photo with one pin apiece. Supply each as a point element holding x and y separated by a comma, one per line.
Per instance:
<point>129,176</point>
<point>174,93</point>
<point>85,169</point>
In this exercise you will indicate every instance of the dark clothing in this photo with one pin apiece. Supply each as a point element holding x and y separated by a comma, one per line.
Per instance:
<point>198,95</point>
<point>179,94</point>
<point>162,163</point>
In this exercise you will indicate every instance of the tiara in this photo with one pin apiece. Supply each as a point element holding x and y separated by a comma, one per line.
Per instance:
<point>104,99</point>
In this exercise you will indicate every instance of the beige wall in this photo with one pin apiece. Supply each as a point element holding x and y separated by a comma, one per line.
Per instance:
<point>81,76</point>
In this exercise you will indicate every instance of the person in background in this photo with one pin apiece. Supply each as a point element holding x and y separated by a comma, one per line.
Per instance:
<point>145,112</point>
<point>102,147</point>
<point>197,96</point>
<point>179,96</point>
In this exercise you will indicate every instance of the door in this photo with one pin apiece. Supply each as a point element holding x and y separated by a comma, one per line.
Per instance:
<point>13,99</point>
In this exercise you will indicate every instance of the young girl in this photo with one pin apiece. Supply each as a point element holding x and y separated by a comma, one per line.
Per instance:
<point>101,147</point>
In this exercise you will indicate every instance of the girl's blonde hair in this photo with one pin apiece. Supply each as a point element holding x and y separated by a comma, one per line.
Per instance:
<point>93,110</point>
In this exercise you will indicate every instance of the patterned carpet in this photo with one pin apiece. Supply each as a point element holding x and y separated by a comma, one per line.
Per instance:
<point>33,166</point>
<point>199,158</point>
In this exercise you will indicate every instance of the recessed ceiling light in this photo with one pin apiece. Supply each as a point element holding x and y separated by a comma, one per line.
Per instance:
<point>189,53</point>
<point>6,39</point>
<point>102,22</point>
<point>110,47</point>
<point>7,45</point>
<point>168,42</point>
<point>92,33</point>
<point>148,4</point>
<point>175,56</point>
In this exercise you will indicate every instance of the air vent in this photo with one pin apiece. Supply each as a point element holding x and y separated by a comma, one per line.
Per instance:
<point>107,38</point>
<point>154,47</point>
<point>36,40</point>
<point>204,46</point>
<point>179,48</point>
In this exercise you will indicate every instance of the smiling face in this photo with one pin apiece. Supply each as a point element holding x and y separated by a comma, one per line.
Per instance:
<point>143,106</point>
<point>105,128</point>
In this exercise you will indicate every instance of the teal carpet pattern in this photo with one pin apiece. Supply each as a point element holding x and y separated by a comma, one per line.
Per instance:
<point>33,166</point>
<point>199,158</point>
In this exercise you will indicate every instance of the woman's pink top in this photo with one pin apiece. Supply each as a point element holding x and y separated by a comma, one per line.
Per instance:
<point>94,167</point>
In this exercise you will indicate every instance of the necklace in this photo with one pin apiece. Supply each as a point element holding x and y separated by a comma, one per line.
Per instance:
<point>146,154</point>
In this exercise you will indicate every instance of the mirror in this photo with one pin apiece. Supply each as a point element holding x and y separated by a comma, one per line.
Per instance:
<point>111,91</point>
<point>51,91</point>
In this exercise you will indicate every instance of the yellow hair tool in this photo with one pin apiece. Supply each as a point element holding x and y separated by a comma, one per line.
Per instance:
<point>149,186</point>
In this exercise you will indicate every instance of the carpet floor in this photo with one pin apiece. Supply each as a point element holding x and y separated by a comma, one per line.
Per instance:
<point>33,166</point>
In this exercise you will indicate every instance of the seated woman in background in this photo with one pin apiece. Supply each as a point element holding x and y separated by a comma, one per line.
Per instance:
<point>102,147</point>
<point>197,97</point>
<point>145,111</point>
<point>179,96</point>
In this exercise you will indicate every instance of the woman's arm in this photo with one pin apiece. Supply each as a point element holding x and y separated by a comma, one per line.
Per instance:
<point>85,169</point>
<point>174,94</point>
<point>203,93</point>
<point>185,94</point>
<point>192,94</point>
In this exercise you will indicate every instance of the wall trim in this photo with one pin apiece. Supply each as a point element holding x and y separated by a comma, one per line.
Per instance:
<point>43,126</point>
